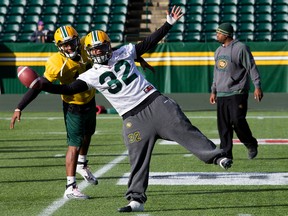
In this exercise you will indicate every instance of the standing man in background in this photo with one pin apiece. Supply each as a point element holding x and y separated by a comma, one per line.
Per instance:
<point>234,64</point>
<point>41,35</point>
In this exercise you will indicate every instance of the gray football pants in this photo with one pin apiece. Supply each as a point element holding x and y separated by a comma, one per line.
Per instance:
<point>162,119</point>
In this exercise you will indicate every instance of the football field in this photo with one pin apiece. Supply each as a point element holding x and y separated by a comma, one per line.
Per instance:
<point>32,170</point>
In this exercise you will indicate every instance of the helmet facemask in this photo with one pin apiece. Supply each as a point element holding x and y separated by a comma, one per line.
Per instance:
<point>104,55</point>
<point>73,43</point>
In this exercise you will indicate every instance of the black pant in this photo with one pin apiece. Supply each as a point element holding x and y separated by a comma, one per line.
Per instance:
<point>231,115</point>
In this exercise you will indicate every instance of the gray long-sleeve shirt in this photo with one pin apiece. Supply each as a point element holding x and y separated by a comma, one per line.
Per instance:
<point>234,64</point>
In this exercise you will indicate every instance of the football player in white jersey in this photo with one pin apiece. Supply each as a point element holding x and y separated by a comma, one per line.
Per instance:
<point>147,114</point>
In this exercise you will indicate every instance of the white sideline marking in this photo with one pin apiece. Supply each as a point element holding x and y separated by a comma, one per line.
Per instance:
<point>212,178</point>
<point>236,141</point>
<point>60,202</point>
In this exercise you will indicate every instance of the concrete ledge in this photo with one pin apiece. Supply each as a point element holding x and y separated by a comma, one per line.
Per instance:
<point>188,102</point>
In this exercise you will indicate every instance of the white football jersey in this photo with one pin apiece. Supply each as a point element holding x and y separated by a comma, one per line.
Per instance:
<point>120,81</point>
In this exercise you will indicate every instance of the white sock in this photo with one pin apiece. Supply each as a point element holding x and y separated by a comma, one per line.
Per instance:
<point>82,158</point>
<point>71,179</point>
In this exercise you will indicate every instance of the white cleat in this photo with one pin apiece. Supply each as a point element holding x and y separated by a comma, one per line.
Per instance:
<point>72,192</point>
<point>84,171</point>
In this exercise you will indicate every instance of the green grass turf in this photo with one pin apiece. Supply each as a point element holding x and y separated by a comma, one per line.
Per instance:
<point>32,170</point>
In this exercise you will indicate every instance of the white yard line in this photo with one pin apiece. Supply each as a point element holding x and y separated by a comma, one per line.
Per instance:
<point>60,202</point>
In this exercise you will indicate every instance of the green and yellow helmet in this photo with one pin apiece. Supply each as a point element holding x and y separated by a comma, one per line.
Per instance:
<point>67,35</point>
<point>98,40</point>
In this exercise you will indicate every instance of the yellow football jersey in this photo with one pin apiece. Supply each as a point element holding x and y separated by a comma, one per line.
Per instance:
<point>66,73</point>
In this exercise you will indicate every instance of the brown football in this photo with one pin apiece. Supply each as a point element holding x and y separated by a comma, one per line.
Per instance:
<point>28,77</point>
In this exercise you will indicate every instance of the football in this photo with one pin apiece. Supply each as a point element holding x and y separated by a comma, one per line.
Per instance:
<point>28,77</point>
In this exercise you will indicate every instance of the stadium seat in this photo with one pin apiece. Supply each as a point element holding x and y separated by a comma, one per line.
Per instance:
<point>195,2</point>
<point>192,37</point>
<point>246,2</point>
<point>229,2</point>
<point>209,37</point>
<point>212,2</point>
<point>118,18</point>
<point>34,10</point>
<point>24,37</point>
<point>263,18</point>
<point>280,27</point>
<point>212,9</point>
<point>99,26</point>
<point>38,2</point>
<point>84,19</point>
<point>193,27</point>
<point>12,37</point>
<point>50,19</point>
<point>31,19</point>
<point>116,28</point>
<point>4,3</point>
<point>211,18</point>
<point>194,10</point>
<point>2,19</point>
<point>19,3</point>
<point>83,28</point>
<point>87,3</point>
<point>51,10</point>
<point>119,10</point>
<point>245,37</point>
<point>3,10</point>
<point>177,27</point>
<point>280,36</point>
<point>263,37</point>
<point>29,28</point>
<point>66,20</point>
<point>263,27</point>
<point>102,19</point>
<point>85,10</point>
<point>277,9</point>
<point>280,2</point>
<point>103,3</point>
<point>246,9</point>
<point>246,27</point>
<point>197,18</point>
<point>263,2</point>
<point>243,18</point>
<point>174,37</point>
<point>211,27</point>
<point>17,10</point>
<point>231,18</point>
<point>69,3</point>
<point>116,37</point>
<point>14,19</point>
<point>69,10</point>
<point>261,9</point>
<point>122,2</point>
<point>229,9</point>
<point>177,2</point>
<point>11,28</point>
<point>280,17</point>
<point>52,3</point>
<point>52,27</point>
<point>99,10</point>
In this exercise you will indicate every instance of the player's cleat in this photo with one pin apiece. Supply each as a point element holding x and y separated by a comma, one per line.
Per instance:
<point>225,163</point>
<point>252,152</point>
<point>133,206</point>
<point>84,171</point>
<point>72,192</point>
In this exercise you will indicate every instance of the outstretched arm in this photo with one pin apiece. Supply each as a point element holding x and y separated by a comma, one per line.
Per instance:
<point>153,39</point>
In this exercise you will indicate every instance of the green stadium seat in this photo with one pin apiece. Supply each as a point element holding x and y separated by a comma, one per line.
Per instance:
<point>263,18</point>
<point>17,10</point>
<point>212,9</point>
<point>212,2</point>
<point>84,19</point>
<point>38,2</point>
<point>52,3</point>
<point>174,37</point>
<point>116,37</point>
<point>102,19</point>
<point>103,3</point>
<point>48,10</point>
<point>24,37</point>
<point>246,9</point>
<point>122,2</point>
<point>197,18</point>
<point>118,18</point>
<point>12,37</point>
<point>263,27</point>
<point>34,10</point>
<point>19,3</point>
<point>261,9</point>
<point>243,18</point>
<point>210,37</point>
<point>245,36</point>
<point>177,27</point>
<point>99,10</point>
<point>85,10</point>
<point>177,2</point>
<point>280,2</point>
<point>31,19</point>
<point>280,17</point>
<point>280,27</point>
<point>87,3</point>
<point>99,26</point>
<point>246,2</point>
<point>2,19</point>
<point>66,20</point>
<point>231,18</point>
<point>263,2</point>
<point>229,2</point>
<point>193,27</point>
<point>52,27</point>
<point>281,36</point>
<point>4,3</point>
<point>11,28</point>
<point>211,18</point>
<point>119,10</point>
<point>195,2</point>
<point>69,10</point>
<point>14,19</point>
<point>211,27</point>
<point>83,28</point>
<point>50,19</point>
<point>194,9</point>
<point>69,2</point>
<point>263,37</point>
<point>3,10</point>
<point>29,28</point>
<point>246,27</point>
<point>192,37</point>
<point>277,9</point>
<point>229,9</point>
<point>116,28</point>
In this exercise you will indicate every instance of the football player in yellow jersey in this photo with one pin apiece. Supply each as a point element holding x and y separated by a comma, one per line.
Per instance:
<point>79,109</point>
